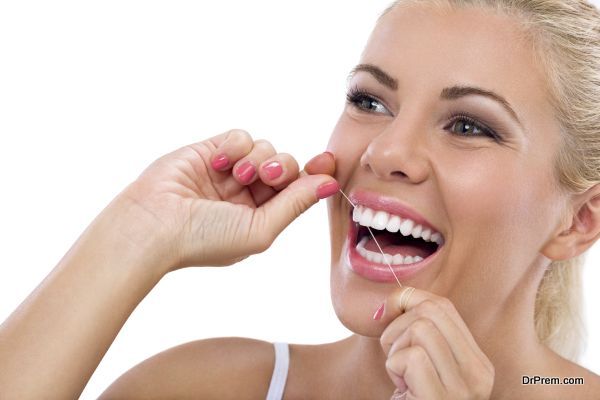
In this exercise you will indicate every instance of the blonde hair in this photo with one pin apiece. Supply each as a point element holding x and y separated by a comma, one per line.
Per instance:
<point>565,38</point>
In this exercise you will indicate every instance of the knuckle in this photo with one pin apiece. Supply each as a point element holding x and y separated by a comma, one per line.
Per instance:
<point>239,135</point>
<point>416,355</point>
<point>420,327</point>
<point>446,305</point>
<point>384,341</point>
<point>481,385</point>
<point>426,307</point>
<point>288,159</point>
<point>264,144</point>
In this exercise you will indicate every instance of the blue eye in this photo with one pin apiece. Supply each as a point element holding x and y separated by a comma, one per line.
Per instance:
<point>467,124</point>
<point>364,101</point>
<point>464,124</point>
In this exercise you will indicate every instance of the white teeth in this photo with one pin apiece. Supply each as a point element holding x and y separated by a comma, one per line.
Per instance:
<point>416,232</point>
<point>356,214</point>
<point>362,252</point>
<point>378,258</point>
<point>366,217</point>
<point>436,237</point>
<point>361,244</point>
<point>380,220</point>
<point>388,259</point>
<point>371,256</point>
<point>406,227</point>
<point>394,224</point>
<point>426,234</point>
<point>397,259</point>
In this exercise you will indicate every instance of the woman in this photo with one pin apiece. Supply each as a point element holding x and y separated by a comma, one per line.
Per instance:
<point>478,180</point>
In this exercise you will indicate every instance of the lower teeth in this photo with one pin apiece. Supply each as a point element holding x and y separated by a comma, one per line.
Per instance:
<point>379,258</point>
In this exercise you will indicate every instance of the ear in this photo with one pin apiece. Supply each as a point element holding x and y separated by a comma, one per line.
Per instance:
<point>584,227</point>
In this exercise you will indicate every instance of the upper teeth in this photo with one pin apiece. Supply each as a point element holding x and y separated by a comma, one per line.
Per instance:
<point>380,220</point>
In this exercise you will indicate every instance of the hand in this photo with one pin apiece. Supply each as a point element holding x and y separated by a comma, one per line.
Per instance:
<point>431,352</point>
<point>209,214</point>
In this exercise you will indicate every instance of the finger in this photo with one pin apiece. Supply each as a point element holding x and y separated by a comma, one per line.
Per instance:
<point>245,169</point>
<point>424,333</point>
<point>441,311</point>
<point>218,140</point>
<point>229,147</point>
<point>323,163</point>
<point>415,368</point>
<point>279,211</point>
<point>279,171</point>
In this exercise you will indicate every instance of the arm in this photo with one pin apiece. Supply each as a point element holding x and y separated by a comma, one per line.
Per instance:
<point>183,210</point>
<point>52,343</point>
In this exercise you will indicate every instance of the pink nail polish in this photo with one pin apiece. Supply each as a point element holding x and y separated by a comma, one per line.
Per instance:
<point>245,172</point>
<point>327,189</point>
<point>273,170</point>
<point>379,312</point>
<point>220,162</point>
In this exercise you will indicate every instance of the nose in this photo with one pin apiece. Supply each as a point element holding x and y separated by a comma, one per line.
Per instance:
<point>398,153</point>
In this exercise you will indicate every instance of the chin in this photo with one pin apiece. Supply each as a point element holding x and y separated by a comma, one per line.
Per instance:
<point>355,298</point>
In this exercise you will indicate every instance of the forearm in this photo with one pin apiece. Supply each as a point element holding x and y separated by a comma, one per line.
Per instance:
<point>52,343</point>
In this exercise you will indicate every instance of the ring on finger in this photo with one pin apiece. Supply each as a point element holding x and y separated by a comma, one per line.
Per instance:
<point>397,395</point>
<point>405,296</point>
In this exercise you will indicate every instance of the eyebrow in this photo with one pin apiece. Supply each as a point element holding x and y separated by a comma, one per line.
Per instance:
<point>449,93</point>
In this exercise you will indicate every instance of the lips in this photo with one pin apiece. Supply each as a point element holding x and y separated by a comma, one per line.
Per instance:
<point>382,271</point>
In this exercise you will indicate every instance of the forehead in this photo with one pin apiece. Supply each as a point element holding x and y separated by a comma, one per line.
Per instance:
<point>428,49</point>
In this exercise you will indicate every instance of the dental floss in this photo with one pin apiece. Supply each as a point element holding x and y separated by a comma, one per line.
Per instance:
<point>375,240</point>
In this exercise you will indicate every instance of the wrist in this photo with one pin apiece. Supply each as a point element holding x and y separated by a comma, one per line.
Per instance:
<point>131,232</point>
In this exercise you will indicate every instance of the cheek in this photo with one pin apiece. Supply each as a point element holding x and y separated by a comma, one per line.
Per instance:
<point>348,142</point>
<point>498,200</point>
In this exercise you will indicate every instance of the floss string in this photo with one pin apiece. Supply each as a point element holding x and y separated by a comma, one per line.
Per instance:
<point>375,240</point>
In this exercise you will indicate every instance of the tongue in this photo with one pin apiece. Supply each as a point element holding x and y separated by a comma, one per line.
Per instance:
<point>395,243</point>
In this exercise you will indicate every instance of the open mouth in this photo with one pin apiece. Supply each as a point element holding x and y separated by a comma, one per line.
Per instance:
<point>402,241</point>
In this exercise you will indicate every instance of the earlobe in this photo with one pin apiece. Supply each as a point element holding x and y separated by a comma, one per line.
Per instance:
<point>583,229</point>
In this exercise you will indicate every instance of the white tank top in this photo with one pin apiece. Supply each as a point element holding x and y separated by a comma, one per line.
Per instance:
<point>280,370</point>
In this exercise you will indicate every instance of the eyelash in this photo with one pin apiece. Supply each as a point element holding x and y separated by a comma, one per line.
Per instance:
<point>355,96</point>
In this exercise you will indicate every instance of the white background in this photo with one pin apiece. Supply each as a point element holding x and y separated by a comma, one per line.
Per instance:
<point>92,92</point>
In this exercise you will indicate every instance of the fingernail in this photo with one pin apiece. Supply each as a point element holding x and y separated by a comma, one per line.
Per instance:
<point>245,172</point>
<point>332,155</point>
<point>327,189</point>
<point>220,162</point>
<point>273,170</point>
<point>379,312</point>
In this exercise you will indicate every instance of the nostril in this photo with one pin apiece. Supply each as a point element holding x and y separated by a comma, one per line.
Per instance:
<point>399,173</point>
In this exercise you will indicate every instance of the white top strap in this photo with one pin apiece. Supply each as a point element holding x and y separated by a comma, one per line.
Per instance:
<point>282,361</point>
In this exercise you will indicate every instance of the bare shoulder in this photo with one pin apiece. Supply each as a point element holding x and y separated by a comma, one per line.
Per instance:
<point>215,368</point>
<point>576,382</point>
<point>586,384</point>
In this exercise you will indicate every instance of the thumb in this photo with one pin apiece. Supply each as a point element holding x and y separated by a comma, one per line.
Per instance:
<point>276,214</point>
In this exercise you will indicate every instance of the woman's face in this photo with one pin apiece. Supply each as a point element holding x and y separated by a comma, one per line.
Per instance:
<point>494,202</point>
